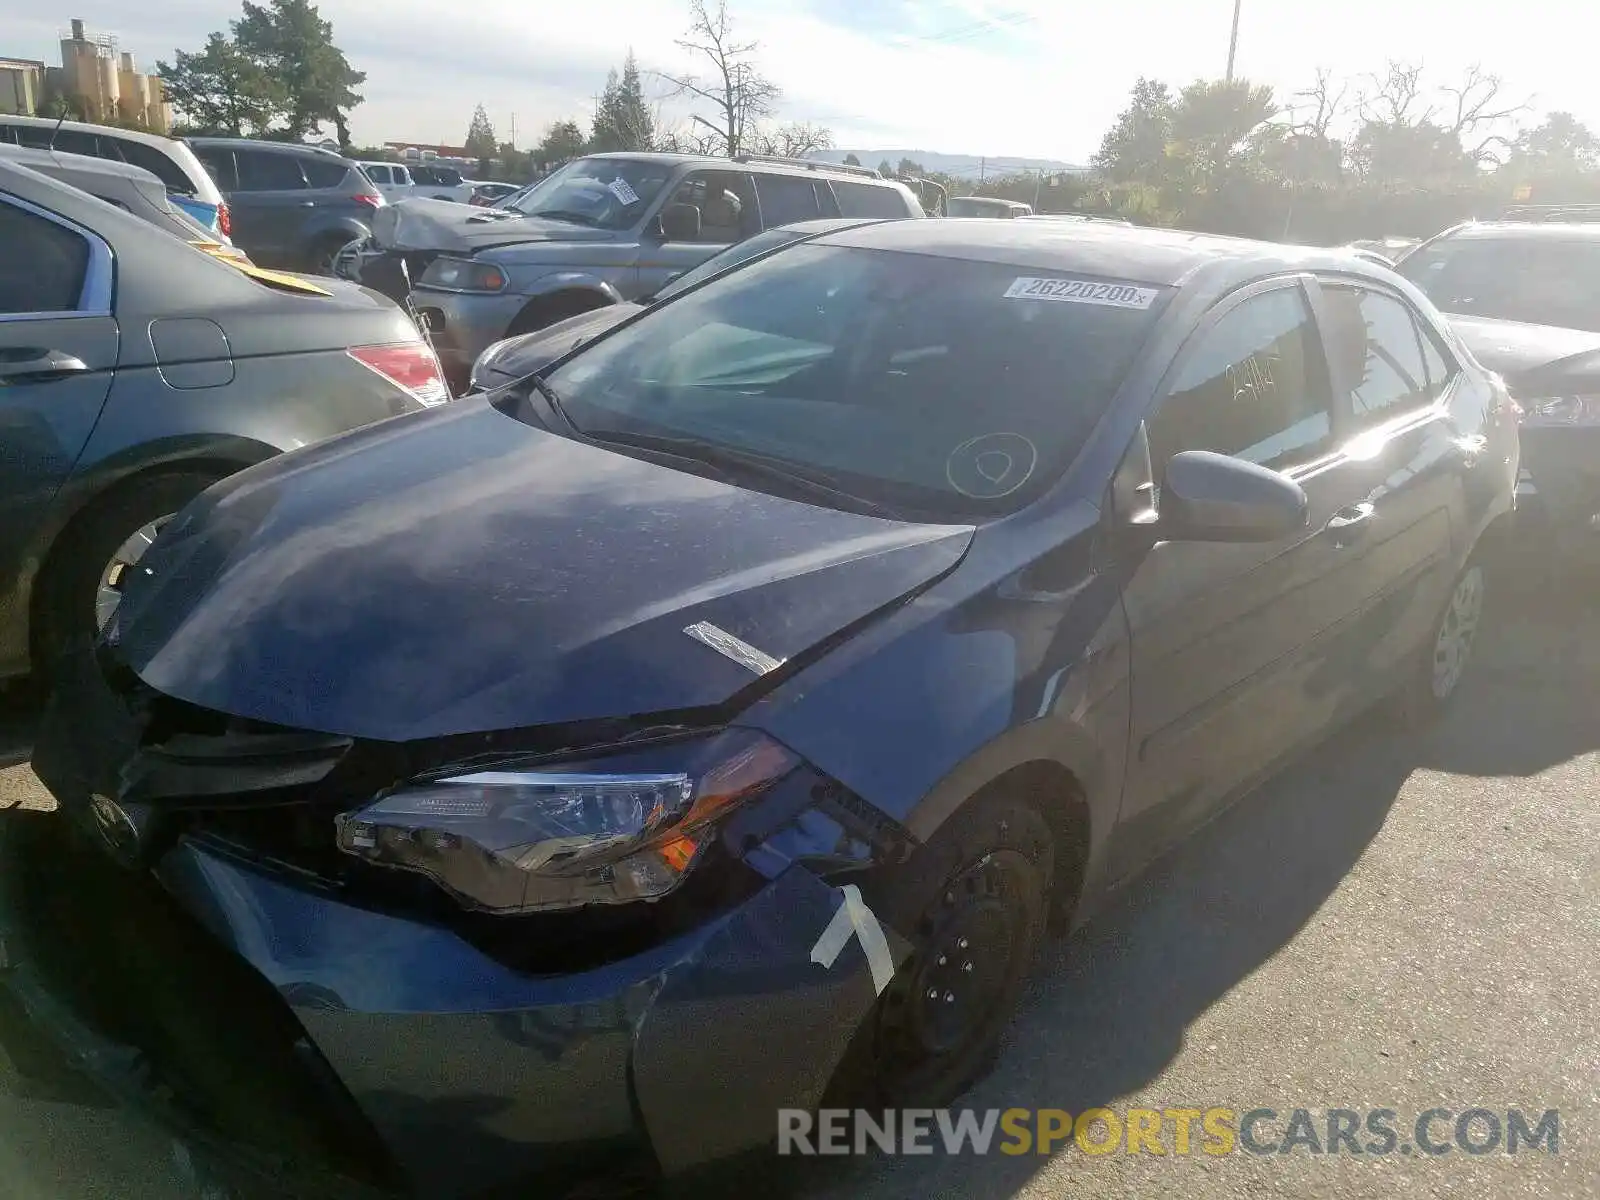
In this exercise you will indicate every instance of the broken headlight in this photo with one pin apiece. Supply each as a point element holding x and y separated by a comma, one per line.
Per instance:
<point>610,830</point>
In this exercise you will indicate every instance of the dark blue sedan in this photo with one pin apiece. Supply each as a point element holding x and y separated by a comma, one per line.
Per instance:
<point>519,758</point>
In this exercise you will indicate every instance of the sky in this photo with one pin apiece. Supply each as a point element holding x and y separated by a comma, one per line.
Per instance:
<point>1025,78</point>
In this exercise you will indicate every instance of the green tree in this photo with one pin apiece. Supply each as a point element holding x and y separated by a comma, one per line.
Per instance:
<point>850,160</point>
<point>562,141</point>
<point>1218,128</point>
<point>481,142</point>
<point>623,120</point>
<point>222,90</point>
<point>1134,149</point>
<point>909,167</point>
<point>1559,145</point>
<point>886,169</point>
<point>292,43</point>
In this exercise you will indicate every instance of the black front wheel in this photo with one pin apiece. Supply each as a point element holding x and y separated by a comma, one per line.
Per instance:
<point>973,902</point>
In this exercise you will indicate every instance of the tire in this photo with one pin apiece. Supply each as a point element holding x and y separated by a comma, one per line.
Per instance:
<point>70,607</point>
<point>325,253</point>
<point>546,312</point>
<point>1443,662</point>
<point>974,902</point>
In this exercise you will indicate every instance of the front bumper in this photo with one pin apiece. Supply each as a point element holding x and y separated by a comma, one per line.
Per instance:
<point>466,1075</point>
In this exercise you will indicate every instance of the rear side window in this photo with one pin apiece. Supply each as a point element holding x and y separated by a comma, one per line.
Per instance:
<point>75,141</point>
<point>325,172</point>
<point>261,171</point>
<point>786,198</point>
<point>44,266</point>
<point>36,136</point>
<point>868,200</point>
<point>1254,387</point>
<point>1373,343</point>
<point>150,159</point>
<point>219,165</point>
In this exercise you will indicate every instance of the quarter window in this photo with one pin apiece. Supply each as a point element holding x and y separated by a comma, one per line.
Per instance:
<point>44,266</point>
<point>1376,351</point>
<point>326,173</point>
<point>1255,387</point>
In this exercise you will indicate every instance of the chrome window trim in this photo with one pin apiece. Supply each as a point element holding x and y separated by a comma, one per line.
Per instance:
<point>99,277</point>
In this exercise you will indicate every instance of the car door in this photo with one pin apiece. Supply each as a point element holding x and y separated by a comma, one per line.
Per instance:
<point>1393,381</point>
<point>58,350</point>
<point>270,204</point>
<point>728,213</point>
<point>1223,636</point>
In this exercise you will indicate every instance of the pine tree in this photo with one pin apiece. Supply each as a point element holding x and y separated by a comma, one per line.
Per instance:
<point>623,121</point>
<point>481,142</point>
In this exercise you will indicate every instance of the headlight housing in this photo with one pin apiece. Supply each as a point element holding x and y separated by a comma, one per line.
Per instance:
<point>610,830</point>
<point>463,275</point>
<point>1561,410</point>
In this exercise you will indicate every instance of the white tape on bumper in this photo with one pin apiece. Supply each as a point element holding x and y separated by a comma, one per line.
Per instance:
<point>854,919</point>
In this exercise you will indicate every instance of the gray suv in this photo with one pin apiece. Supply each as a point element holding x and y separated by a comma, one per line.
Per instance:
<point>601,229</point>
<point>292,206</point>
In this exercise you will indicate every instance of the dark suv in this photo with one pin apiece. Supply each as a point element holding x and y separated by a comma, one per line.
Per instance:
<point>292,206</point>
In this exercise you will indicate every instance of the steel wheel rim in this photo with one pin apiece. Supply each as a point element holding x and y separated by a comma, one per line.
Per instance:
<point>1457,631</point>
<point>114,576</point>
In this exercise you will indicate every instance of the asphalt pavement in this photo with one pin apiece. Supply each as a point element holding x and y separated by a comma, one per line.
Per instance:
<point>1398,922</point>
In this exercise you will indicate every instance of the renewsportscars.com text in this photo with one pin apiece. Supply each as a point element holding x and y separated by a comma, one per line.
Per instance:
<point>1376,1132</point>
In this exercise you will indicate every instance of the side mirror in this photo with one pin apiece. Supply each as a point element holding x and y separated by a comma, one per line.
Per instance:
<point>680,223</point>
<point>1214,498</point>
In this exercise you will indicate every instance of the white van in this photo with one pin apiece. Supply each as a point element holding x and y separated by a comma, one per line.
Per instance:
<point>169,160</point>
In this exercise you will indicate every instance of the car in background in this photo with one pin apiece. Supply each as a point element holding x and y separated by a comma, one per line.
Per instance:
<point>1525,296</point>
<point>519,760</point>
<point>134,372</point>
<point>513,358</point>
<point>986,206</point>
<point>600,229</point>
<point>437,181</point>
<point>486,195</point>
<point>392,179</point>
<point>172,161</point>
<point>132,189</point>
<point>293,206</point>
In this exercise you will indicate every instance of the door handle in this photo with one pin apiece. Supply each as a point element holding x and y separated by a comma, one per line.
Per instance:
<point>1350,523</point>
<point>38,364</point>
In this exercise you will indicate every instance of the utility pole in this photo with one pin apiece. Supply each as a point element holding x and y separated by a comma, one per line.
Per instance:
<point>1233,39</point>
<point>983,169</point>
<point>513,131</point>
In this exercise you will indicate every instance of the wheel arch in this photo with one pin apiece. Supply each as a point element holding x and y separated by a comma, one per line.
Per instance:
<point>567,296</point>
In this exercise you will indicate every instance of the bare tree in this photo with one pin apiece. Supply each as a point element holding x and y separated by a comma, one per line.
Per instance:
<point>738,93</point>
<point>795,140</point>
<point>1317,107</point>
<point>1395,97</point>
<point>1477,106</point>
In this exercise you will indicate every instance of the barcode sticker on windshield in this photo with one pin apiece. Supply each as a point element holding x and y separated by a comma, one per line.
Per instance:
<point>620,189</point>
<point>1082,291</point>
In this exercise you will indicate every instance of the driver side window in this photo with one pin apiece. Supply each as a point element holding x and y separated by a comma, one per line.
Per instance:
<point>726,203</point>
<point>1255,387</point>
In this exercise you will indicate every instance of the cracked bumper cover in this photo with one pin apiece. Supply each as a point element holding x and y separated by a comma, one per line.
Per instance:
<point>455,1058</point>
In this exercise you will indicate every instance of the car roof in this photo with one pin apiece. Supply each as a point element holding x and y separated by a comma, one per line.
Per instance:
<point>273,147</point>
<point>1165,257</point>
<point>760,165</point>
<point>132,135</point>
<point>1556,231</point>
<point>54,161</point>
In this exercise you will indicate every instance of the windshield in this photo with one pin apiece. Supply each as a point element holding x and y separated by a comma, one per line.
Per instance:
<point>606,193</point>
<point>935,384</point>
<point>731,257</point>
<point>1537,280</point>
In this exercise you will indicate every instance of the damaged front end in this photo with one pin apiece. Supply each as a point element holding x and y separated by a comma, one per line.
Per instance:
<point>486,956</point>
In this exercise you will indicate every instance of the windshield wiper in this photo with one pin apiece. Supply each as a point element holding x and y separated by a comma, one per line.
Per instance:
<point>552,399</point>
<point>561,214</point>
<point>726,460</point>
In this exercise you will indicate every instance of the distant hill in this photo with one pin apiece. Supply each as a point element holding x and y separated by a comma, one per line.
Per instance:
<point>962,166</point>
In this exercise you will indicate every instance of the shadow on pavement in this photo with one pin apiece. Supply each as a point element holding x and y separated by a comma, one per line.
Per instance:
<point>1109,1007</point>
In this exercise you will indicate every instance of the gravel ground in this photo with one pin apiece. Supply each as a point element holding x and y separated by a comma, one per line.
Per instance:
<point>1396,923</point>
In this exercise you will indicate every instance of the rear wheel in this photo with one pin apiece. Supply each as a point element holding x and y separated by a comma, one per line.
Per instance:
<point>325,251</point>
<point>98,554</point>
<point>1443,663</point>
<point>973,902</point>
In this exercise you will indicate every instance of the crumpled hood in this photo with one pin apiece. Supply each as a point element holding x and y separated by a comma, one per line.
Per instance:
<point>466,572</point>
<point>1532,358</point>
<point>447,227</point>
